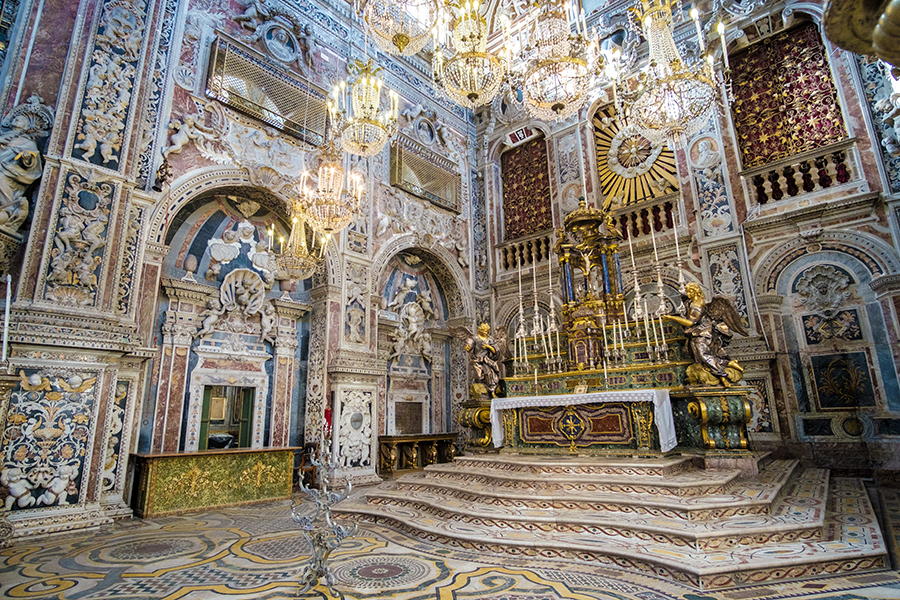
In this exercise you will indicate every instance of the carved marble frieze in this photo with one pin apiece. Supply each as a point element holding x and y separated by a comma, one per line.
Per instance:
<point>823,289</point>
<point>78,251</point>
<point>354,428</point>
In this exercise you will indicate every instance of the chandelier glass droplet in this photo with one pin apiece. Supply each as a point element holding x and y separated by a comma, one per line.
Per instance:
<point>463,68</point>
<point>335,203</point>
<point>560,67</point>
<point>355,110</point>
<point>674,99</point>
<point>401,27</point>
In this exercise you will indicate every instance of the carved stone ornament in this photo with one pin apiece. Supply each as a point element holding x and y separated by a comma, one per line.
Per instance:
<point>20,160</point>
<point>241,297</point>
<point>79,240</point>
<point>355,427</point>
<point>47,438</point>
<point>280,33</point>
<point>823,289</point>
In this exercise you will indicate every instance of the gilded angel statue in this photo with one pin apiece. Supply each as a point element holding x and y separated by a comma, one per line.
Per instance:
<point>487,353</point>
<point>709,327</point>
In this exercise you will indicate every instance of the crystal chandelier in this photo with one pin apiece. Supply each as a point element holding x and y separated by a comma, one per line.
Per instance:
<point>357,121</point>
<point>560,67</point>
<point>297,262</point>
<point>673,99</point>
<point>335,203</point>
<point>463,68</point>
<point>401,26</point>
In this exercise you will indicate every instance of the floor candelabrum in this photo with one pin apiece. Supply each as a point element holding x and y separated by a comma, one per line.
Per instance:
<point>320,529</point>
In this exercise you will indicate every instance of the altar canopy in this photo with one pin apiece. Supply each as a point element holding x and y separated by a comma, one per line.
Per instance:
<point>662,409</point>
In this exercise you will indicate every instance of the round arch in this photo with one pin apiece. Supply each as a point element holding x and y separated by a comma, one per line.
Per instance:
<point>875,255</point>
<point>443,264</point>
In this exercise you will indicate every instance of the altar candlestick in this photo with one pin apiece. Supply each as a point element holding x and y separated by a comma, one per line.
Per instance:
<point>631,249</point>
<point>525,349</point>
<point>605,377</point>
<point>558,347</point>
<point>653,239</point>
<point>625,311</point>
<point>646,324</point>
<point>6,316</point>
<point>535,378</point>
<point>655,338</point>
<point>677,249</point>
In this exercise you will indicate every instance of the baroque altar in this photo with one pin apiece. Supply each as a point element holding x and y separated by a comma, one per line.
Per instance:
<point>621,373</point>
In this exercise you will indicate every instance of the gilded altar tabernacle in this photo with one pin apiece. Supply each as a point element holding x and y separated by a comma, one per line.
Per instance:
<point>620,375</point>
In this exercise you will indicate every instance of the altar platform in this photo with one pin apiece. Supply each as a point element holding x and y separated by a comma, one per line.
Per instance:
<point>710,529</point>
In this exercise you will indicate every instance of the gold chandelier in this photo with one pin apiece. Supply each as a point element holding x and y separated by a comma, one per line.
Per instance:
<point>673,99</point>
<point>560,67</point>
<point>296,261</point>
<point>335,203</point>
<point>401,27</point>
<point>463,68</point>
<point>362,128</point>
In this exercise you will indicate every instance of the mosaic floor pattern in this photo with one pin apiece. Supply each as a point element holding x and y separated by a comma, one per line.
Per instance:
<point>256,553</point>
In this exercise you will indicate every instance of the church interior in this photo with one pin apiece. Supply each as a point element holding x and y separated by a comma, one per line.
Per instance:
<point>433,299</point>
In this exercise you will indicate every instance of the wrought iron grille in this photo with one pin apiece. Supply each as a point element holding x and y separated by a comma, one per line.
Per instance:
<point>425,174</point>
<point>243,80</point>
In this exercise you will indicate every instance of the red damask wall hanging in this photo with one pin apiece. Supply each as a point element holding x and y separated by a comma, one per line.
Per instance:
<point>785,101</point>
<point>526,190</point>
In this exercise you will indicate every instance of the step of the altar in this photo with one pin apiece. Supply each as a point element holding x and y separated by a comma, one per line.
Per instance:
<point>805,532</point>
<point>651,477</point>
<point>743,497</point>
<point>786,522</point>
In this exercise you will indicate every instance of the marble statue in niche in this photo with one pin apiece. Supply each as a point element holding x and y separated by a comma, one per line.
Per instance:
<point>20,160</point>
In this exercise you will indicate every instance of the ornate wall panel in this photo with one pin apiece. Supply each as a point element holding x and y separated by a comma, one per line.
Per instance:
<point>48,434</point>
<point>78,251</point>
<point>785,100</point>
<point>115,58</point>
<point>727,278</point>
<point>883,104</point>
<point>526,190</point>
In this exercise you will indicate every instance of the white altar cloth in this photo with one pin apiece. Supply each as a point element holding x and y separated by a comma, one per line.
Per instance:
<point>662,409</point>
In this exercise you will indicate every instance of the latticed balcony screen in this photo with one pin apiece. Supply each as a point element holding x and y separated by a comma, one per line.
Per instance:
<point>425,174</point>
<point>526,190</point>
<point>785,101</point>
<point>241,79</point>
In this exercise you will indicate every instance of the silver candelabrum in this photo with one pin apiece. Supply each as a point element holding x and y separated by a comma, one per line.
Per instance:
<point>323,533</point>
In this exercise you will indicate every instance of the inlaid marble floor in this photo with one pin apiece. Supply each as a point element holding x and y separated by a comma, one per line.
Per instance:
<point>256,552</point>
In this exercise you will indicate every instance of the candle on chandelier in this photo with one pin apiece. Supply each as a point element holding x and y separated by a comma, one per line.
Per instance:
<point>721,29</point>
<point>695,15</point>
<point>281,244</point>
<point>271,233</point>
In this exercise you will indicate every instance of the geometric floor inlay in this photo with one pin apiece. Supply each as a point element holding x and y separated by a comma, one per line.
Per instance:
<point>256,552</point>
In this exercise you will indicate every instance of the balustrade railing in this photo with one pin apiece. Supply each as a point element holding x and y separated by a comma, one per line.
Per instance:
<point>806,173</point>
<point>635,220</point>
<point>524,251</point>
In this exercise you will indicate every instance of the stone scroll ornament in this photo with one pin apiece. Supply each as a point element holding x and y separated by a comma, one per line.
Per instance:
<point>241,297</point>
<point>46,438</point>
<point>709,327</point>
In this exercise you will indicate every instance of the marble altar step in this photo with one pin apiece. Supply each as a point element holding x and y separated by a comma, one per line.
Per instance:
<point>745,497</point>
<point>815,525</point>
<point>655,477</point>
<point>788,521</point>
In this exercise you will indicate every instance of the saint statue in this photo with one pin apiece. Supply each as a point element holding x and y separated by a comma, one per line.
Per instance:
<point>709,328</point>
<point>487,353</point>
